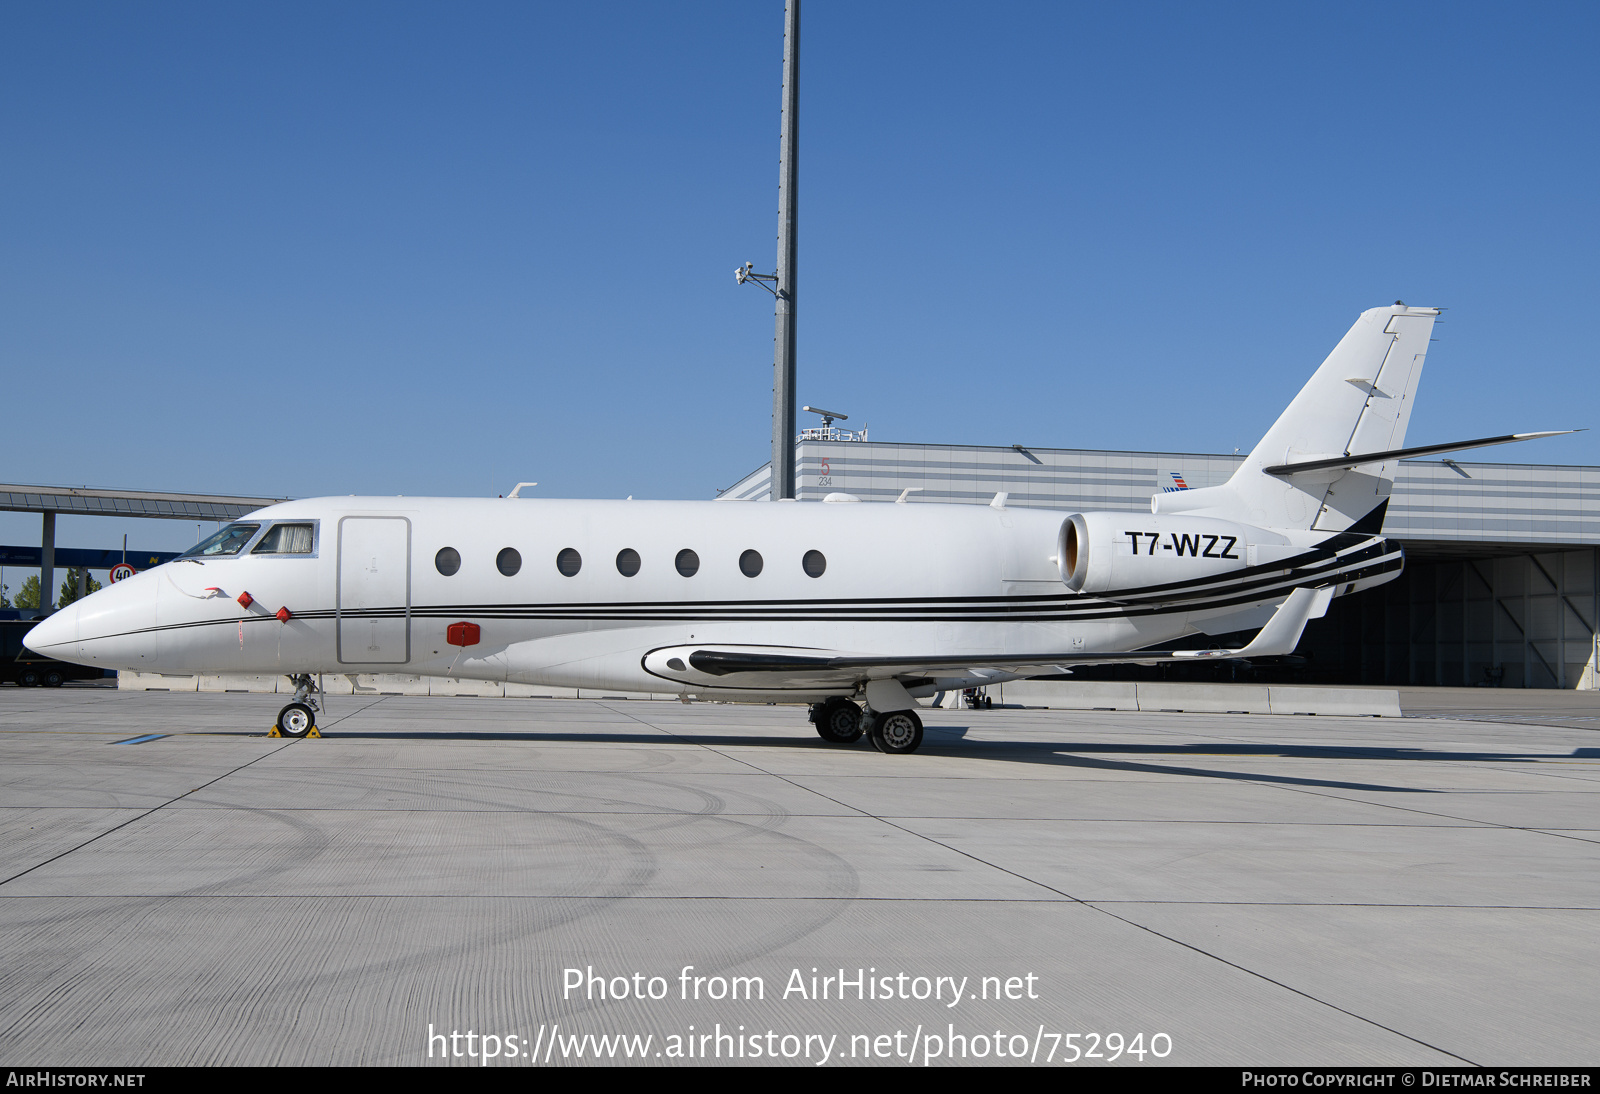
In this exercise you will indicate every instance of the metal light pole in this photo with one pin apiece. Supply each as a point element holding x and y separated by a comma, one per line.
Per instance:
<point>782,283</point>
<point>783,337</point>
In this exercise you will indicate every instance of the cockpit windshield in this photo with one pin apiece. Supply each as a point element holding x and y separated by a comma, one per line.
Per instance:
<point>228,541</point>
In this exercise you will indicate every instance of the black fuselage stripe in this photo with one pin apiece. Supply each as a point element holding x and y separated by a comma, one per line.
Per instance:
<point>954,609</point>
<point>703,613</point>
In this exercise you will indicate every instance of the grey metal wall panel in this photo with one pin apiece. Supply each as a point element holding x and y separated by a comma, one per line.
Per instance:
<point>1432,500</point>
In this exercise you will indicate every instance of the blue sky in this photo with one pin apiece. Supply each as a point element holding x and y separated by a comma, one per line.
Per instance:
<point>427,248</point>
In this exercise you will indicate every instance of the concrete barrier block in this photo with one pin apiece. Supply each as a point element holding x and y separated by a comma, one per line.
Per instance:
<point>1335,701</point>
<point>238,681</point>
<point>1205,698</point>
<point>338,684</point>
<point>390,683</point>
<point>155,681</point>
<point>1067,695</point>
<point>539,691</point>
<point>598,693</point>
<point>448,686</point>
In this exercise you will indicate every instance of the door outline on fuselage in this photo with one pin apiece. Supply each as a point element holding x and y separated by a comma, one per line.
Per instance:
<point>338,597</point>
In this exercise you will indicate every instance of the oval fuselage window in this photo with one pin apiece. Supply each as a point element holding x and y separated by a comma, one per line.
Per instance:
<point>627,562</point>
<point>447,561</point>
<point>687,562</point>
<point>508,561</point>
<point>569,562</point>
<point>814,563</point>
<point>750,563</point>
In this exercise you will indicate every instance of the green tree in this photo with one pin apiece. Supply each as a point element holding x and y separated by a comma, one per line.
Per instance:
<point>69,587</point>
<point>28,597</point>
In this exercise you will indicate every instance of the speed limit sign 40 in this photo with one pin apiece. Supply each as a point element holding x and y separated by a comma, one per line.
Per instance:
<point>122,571</point>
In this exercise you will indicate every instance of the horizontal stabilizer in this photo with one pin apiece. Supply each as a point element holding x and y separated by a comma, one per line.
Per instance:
<point>1300,467</point>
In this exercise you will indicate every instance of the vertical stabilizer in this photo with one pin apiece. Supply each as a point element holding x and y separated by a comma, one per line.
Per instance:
<point>1358,401</point>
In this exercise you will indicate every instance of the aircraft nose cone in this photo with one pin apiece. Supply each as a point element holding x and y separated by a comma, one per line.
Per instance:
<point>56,635</point>
<point>112,628</point>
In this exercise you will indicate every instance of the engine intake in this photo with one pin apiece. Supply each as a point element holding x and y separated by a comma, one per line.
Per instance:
<point>1108,552</point>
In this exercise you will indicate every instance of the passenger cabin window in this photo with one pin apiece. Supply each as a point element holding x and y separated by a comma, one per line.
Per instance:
<point>814,563</point>
<point>508,561</point>
<point>228,541</point>
<point>627,562</point>
<point>569,562</point>
<point>687,562</point>
<point>447,561</point>
<point>286,539</point>
<point>750,563</point>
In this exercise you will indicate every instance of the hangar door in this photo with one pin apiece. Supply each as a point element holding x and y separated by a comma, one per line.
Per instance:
<point>374,590</point>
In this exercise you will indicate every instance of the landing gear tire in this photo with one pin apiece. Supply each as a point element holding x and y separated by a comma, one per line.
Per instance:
<point>296,720</point>
<point>897,732</point>
<point>54,679</point>
<point>838,721</point>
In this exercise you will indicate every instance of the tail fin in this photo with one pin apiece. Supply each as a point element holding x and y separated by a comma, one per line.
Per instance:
<point>1359,401</point>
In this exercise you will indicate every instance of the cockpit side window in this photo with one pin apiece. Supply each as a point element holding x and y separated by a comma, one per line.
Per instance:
<point>286,539</point>
<point>228,541</point>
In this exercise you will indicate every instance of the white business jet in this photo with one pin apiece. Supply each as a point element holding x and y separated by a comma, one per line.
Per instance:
<point>856,609</point>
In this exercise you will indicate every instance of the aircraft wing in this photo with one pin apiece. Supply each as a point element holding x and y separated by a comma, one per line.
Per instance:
<point>766,666</point>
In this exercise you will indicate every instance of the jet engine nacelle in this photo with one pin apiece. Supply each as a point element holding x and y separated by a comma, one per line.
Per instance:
<point>1104,552</point>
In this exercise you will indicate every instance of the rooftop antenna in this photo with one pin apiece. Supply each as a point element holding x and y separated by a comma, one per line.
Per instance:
<point>826,431</point>
<point>781,284</point>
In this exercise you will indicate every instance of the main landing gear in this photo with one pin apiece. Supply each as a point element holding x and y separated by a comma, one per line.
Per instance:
<point>299,718</point>
<point>897,732</point>
<point>838,721</point>
<point>841,722</point>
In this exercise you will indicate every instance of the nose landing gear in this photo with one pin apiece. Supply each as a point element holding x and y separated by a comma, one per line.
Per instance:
<point>299,717</point>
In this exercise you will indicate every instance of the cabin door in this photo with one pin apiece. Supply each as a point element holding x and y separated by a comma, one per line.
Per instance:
<point>374,590</point>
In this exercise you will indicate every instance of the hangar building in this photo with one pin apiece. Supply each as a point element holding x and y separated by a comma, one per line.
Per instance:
<point>1502,579</point>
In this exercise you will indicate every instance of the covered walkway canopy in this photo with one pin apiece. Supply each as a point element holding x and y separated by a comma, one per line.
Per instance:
<point>82,500</point>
